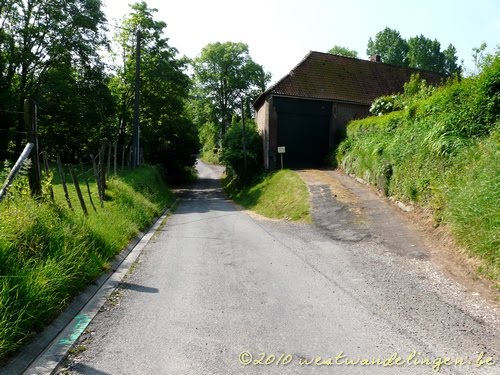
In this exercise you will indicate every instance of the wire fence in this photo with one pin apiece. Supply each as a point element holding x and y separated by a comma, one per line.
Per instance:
<point>93,168</point>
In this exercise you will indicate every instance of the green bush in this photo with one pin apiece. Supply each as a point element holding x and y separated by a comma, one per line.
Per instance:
<point>174,146</point>
<point>489,91</point>
<point>208,134</point>
<point>415,89</point>
<point>234,157</point>
<point>383,105</point>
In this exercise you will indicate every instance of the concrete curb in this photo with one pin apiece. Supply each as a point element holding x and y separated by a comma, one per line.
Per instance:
<point>94,298</point>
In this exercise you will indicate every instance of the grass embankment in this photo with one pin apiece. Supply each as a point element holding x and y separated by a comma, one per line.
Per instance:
<point>48,253</point>
<point>281,195</point>
<point>441,151</point>
<point>210,157</point>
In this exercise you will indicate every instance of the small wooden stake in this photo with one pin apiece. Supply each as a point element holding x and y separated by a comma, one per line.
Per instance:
<point>115,154</point>
<point>46,168</point>
<point>78,191</point>
<point>123,156</point>
<point>84,174</point>
<point>63,181</point>
<point>109,158</point>
<point>101,168</point>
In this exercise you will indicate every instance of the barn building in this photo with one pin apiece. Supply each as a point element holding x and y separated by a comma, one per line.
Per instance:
<point>307,110</point>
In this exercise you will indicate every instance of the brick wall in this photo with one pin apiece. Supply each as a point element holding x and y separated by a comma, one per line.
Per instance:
<point>342,113</point>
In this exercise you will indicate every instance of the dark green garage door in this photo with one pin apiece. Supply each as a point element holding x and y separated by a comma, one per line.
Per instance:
<point>303,128</point>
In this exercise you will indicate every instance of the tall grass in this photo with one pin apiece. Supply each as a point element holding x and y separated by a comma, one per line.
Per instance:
<point>281,195</point>
<point>441,151</point>
<point>48,253</point>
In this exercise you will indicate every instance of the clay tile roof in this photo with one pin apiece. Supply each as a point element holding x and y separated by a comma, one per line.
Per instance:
<point>331,77</point>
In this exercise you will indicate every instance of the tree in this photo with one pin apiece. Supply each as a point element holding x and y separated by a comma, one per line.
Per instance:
<point>78,110</point>
<point>425,54</point>
<point>224,73</point>
<point>343,51</point>
<point>417,52</point>
<point>242,166</point>
<point>478,55</point>
<point>44,34</point>
<point>390,46</point>
<point>168,137</point>
<point>8,104</point>
<point>450,61</point>
<point>202,114</point>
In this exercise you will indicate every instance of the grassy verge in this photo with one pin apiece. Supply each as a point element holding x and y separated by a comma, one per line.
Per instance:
<point>440,151</point>
<point>210,157</point>
<point>48,253</point>
<point>281,195</point>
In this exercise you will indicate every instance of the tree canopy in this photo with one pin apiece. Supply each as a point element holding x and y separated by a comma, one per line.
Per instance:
<point>343,51</point>
<point>416,52</point>
<point>390,46</point>
<point>51,52</point>
<point>44,46</point>
<point>224,74</point>
<point>168,136</point>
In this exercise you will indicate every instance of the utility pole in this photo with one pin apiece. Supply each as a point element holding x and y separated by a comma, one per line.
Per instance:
<point>244,132</point>
<point>137,128</point>
<point>30,120</point>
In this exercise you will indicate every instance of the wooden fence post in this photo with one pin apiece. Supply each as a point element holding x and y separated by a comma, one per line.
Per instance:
<point>109,158</point>
<point>101,167</point>
<point>78,191</point>
<point>35,178</point>
<point>63,181</point>
<point>46,168</point>
<point>94,166</point>
<point>123,156</point>
<point>96,175</point>
<point>115,153</point>
<point>84,174</point>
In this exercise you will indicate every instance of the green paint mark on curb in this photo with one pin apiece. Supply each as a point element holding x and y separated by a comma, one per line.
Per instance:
<point>82,321</point>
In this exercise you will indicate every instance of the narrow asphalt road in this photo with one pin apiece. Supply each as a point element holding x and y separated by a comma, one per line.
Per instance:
<point>217,287</point>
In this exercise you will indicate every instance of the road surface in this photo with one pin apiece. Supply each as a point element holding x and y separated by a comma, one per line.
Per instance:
<point>220,291</point>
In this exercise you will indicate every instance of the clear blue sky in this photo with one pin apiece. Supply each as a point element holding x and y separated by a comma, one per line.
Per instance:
<point>280,33</point>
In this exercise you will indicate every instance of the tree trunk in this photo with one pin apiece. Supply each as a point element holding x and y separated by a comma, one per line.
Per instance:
<point>4,135</point>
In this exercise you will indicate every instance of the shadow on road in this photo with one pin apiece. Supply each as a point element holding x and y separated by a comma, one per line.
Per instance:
<point>139,288</point>
<point>205,194</point>
<point>87,370</point>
